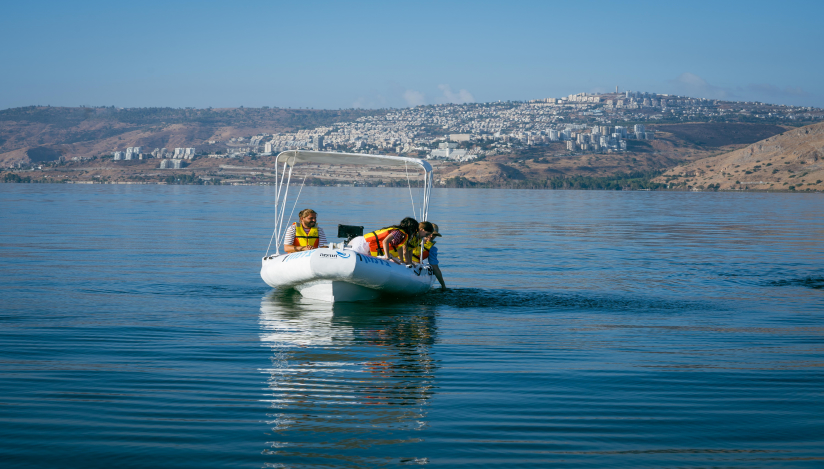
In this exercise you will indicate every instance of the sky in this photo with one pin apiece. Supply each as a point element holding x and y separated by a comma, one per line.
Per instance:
<point>335,55</point>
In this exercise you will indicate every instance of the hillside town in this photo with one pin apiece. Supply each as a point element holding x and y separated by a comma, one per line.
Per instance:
<point>537,143</point>
<point>582,122</point>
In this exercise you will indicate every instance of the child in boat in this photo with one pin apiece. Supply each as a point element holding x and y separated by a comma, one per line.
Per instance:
<point>426,250</point>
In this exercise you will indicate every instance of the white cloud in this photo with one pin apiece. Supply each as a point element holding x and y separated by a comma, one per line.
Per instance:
<point>460,97</point>
<point>414,98</point>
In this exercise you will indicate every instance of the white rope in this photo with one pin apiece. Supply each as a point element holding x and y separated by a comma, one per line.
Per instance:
<point>423,197</point>
<point>285,197</point>
<point>298,197</point>
<point>277,198</point>
<point>277,202</point>
<point>425,203</point>
<point>270,240</point>
<point>406,167</point>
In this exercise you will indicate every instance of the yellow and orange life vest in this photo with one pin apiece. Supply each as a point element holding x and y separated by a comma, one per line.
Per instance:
<point>416,250</point>
<point>375,240</point>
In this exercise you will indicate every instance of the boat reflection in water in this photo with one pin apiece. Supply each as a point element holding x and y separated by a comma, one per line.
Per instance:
<point>349,382</point>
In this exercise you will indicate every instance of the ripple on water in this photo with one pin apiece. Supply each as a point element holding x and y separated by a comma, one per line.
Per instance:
<point>623,329</point>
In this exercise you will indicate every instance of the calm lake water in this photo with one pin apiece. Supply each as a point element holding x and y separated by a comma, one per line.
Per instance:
<point>581,329</point>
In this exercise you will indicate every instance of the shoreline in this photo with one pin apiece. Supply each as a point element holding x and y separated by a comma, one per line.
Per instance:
<point>477,187</point>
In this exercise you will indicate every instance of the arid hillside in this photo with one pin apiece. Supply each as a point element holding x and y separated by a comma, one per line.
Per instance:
<point>37,133</point>
<point>675,144</point>
<point>792,160</point>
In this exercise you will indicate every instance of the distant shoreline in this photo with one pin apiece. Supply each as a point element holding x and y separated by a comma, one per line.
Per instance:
<point>485,187</point>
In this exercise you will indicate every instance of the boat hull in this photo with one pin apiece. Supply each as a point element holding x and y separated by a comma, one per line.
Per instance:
<point>343,275</point>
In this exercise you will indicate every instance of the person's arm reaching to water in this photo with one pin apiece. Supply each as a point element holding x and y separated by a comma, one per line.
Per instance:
<point>437,271</point>
<point>433,262</point>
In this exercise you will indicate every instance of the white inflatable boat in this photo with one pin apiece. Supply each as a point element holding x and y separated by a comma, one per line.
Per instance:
<point>336,273</point>
<point>343,275</point>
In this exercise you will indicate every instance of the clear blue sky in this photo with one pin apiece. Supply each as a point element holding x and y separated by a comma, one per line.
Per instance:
<point>381,54</point>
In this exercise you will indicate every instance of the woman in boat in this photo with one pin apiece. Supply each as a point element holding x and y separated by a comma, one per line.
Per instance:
<point>390,242</point>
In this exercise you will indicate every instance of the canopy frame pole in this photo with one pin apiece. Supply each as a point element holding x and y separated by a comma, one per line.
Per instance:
<point>277,200</point>
<point>298,196</point>
<point>282,195</point>
<point>427,192</point>
<point>278,210</point>
<point>285,196</point>
<point>409,184</point>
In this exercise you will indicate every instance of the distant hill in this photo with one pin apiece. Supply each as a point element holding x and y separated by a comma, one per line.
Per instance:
<point>792,160</point>
<point>719,134</point>
<point>85,131</point>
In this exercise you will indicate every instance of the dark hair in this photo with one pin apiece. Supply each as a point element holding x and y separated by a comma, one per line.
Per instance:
<point>408,225</point>
<point>426,226</point>
<point>306,212</point>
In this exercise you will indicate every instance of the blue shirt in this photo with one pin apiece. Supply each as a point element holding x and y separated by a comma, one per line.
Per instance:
<point>433,255</point>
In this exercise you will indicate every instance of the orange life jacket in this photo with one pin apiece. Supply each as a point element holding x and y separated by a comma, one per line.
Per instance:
<point>304,239</point>
<point>375,240</point>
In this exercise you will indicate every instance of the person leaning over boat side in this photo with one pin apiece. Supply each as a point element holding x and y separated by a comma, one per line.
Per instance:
<point>430,252</point>
<point>385,242</point>
<point>305,235</point>
<point>403,252</point>
<point>424,231</point>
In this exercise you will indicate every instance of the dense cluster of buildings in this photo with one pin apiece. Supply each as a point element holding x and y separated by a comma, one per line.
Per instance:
<point>131,153</point>
<point>465,131</point>
<point>134,153</point>
<point>172,164</point>
<point>306,139</point>
<point>169,160</point>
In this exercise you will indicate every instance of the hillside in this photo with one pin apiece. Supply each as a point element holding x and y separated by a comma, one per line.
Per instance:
<point>675,144</point>
<point>38,133</point>
<point>792,160</point>
<point>43,134</point>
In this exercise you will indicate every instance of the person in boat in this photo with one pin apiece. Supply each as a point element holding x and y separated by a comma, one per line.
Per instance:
<point>388,243</point>
<point>425,230</point>
<point>404,252</point>
<point>426,250</point>
<point>305,235</point>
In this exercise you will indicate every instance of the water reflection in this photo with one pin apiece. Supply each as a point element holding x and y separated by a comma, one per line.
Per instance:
<point>349,383</point>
